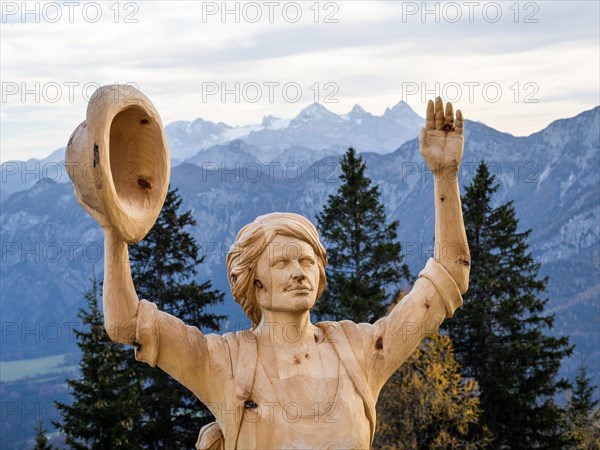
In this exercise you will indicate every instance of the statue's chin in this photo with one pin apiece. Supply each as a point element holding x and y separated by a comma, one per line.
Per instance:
<point>303,300</point>
<point>295,303</point>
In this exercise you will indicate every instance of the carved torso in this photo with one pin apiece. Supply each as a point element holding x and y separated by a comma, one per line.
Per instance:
<point>298,389</point>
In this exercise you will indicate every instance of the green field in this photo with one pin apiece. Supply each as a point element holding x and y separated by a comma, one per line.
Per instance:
<point>14,370</point>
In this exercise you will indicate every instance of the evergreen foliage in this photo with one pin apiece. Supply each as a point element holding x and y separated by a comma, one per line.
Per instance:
<point>364,257</point>
<point>428,405</point>
<point>106,410</point>
<point>583,415</point>
<point>163,266</point>
<point>41,440</point>
<point>500,333</point>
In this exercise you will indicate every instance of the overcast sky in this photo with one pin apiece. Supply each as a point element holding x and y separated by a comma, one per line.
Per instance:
<point>515,66</point>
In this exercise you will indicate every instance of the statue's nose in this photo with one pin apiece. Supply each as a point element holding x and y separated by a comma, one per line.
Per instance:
<point>298,275</point>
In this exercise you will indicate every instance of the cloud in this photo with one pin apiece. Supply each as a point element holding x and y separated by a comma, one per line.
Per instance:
<point>372,52</point>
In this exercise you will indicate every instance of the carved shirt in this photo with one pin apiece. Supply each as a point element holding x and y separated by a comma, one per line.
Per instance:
<point>226,373</point>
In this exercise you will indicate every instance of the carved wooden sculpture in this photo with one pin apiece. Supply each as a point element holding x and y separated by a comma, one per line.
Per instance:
<point>286,383</point>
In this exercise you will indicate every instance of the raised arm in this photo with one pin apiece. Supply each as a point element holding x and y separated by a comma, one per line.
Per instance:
<point>437,293</point>
<point>159,339</point>
<point>123,132</point>
<point>442,147</point>
<point>119,299</point>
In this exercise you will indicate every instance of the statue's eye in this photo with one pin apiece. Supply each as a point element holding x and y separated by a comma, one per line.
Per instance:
<point>307,261</point>
<point>280,264</point>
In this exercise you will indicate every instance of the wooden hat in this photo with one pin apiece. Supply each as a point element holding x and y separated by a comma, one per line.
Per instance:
<point>118,160</point>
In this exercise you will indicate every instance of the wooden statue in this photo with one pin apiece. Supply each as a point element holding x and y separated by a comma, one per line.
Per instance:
<point>286,383</point>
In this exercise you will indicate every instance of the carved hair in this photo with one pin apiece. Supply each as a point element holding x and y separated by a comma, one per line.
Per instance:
<point>249,244</point>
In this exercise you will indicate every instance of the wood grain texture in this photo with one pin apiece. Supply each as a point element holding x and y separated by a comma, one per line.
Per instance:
<point>118,160</point>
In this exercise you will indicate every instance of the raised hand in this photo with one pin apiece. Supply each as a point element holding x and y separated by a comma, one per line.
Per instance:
<point>442,139</point>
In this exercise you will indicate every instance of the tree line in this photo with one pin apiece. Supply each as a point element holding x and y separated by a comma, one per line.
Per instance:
<point>489,379</point>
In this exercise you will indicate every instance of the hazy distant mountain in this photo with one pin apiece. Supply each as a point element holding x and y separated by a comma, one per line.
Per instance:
<point>315,132</point>
<point>21,175</point>
<point>314,127</point>
<point>317,127</point>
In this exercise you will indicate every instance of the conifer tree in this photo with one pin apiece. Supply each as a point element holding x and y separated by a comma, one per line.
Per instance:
<point>500,334</point>
<point>164,265</point>
<point>583,415</point>
<point>364,256</point>
<point>105,413</point>
<point>41,440</point>
<point>427,404</point>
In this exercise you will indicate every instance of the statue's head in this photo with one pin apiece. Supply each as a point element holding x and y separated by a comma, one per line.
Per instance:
<point>276,262</point>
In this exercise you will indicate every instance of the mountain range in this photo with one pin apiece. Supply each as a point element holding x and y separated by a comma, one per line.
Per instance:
<point>315,127</point>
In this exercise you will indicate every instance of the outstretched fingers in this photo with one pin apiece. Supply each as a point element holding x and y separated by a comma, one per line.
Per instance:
<point>429,117</point>
<point>459,122</point>
<point>438,119</point>
<point>449,118</point>
<point>439,113</point>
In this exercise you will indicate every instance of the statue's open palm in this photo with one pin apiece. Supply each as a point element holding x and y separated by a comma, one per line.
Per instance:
<point>442,137</point>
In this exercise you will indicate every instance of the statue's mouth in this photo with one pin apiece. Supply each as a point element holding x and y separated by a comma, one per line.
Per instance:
<point>298,289</point>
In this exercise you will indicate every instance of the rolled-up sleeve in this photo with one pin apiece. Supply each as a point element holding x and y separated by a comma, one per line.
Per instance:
<point>199,361</point>
<point>390,341</point>
<point>146,333</point>
<point>444,284</point>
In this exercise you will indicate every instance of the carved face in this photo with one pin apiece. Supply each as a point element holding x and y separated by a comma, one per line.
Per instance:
<point>287,276</point>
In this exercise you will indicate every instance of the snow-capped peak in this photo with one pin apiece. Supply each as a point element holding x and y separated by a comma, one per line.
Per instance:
<point>274,123</point>
<point>400,108</point>
<point>357,110</point>
<point>316,111</point>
